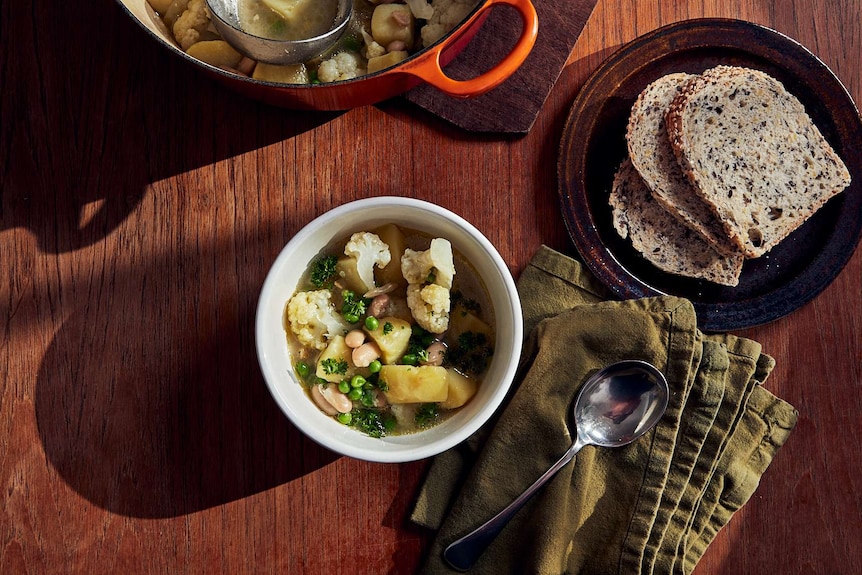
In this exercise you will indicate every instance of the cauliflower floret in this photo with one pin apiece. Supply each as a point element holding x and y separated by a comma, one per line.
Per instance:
<point>447,14</point>
<point>429,306</point>
<point>342,66</point>
<point>420,8</point>
<point>372,48</point>
<point>436,261</point>
<point>368,250</point>
<point>192,23</point>
<point>313,318</point>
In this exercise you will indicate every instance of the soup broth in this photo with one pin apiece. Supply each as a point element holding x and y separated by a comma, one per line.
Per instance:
<point>397,356</point>
<point>287,19</point>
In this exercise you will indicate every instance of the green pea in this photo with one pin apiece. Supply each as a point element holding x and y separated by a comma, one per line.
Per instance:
<point>344,418</point>
<point>354,394</point>
<point>428,339</point>
<point>302,369</point>
<point>417,330</point>
<point>344,386</point>
<point>374,366</point>
<point>351,317</point>
<point>372,323</point>
<point>409,359</point>
<point>357,381</point>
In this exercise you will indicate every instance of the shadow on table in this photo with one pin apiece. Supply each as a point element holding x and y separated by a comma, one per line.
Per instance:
<point>173,415</point>
<point>99,112</point>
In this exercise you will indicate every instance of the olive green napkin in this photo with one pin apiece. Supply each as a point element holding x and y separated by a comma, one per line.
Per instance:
<point>652,506</point>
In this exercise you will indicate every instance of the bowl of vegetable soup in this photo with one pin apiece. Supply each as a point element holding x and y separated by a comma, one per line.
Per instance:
<point>389,329</point>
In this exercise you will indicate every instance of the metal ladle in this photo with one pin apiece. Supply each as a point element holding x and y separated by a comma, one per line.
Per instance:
<point>225,17</point>
<point>613,408</point>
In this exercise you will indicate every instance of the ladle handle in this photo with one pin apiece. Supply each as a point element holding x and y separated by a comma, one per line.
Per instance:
<point>463,553</point>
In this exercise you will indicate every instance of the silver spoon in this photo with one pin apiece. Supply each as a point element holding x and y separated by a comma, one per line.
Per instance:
<point>226,20</point>
<point>613,408</point>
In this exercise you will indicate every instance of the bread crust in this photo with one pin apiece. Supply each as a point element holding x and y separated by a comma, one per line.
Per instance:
<point>651,154</point>
<point>751,151</point>
<point>661,238</point>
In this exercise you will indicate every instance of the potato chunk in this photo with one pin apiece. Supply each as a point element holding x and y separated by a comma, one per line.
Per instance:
<point>216,53</point>
<point>391,22</point>
<point>410,384</point>
<point>334,354</point>
<point>349,274</point>
<point>290,74</point>
<point>461,389</point>
<point>462,321</point>
<point>392,340</point>
<point>385,61</point>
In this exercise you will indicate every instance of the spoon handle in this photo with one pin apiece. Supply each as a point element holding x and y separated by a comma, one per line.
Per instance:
<point>463,553</point>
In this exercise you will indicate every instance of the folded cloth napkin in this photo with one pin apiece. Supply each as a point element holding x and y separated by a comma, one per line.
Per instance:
<point>650,507</point>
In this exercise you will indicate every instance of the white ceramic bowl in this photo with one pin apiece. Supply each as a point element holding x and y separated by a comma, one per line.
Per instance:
<point>281,282</point>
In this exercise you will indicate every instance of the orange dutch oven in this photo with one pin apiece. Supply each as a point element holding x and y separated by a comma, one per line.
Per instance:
<point>424,66</point>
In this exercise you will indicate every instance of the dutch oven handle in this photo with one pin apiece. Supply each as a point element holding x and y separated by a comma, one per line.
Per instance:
<point>430,70</point>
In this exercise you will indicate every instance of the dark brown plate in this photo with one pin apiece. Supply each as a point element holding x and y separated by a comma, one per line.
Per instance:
<point>593,145</point>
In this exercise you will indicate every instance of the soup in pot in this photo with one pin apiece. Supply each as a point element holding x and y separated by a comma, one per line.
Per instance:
<point>380,34</point>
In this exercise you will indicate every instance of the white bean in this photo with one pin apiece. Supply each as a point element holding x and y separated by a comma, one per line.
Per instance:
<point>321,402</point>
<point>396,46</point>
<point>336,399</point>
<point>355,338</point>
<point>436,351</point>
<point>365,354</point>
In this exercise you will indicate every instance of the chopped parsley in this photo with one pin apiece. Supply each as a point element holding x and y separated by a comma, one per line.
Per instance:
<point>470,340</point>
<point>471,354</point>
<point>371,422</point>
<point>277,27</point>
<point>427,414</point>
<point>354,307</point>
<point>323,271</point>
<point>332,365</point>
<point>352,43</point>
<point>367,398</point>
<point>466,304</point>
<point>387,328</point>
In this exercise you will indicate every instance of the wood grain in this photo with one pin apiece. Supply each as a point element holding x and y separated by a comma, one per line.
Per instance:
<point>140,207</point>
<point>511,108</point>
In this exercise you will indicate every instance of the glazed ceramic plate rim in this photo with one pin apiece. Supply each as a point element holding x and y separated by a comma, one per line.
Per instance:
<point>587,154</point>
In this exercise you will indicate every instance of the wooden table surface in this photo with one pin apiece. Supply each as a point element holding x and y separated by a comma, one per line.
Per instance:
<point>140,207</point>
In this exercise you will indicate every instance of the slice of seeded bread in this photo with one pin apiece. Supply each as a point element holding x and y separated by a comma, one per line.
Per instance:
<point>751,151</point>
<point>653,157</point>
<point>661,238</point>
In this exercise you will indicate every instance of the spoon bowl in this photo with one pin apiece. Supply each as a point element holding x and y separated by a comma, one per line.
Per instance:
<point>613,408</point>
<point>620,403</point>
<point>227,21</point>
